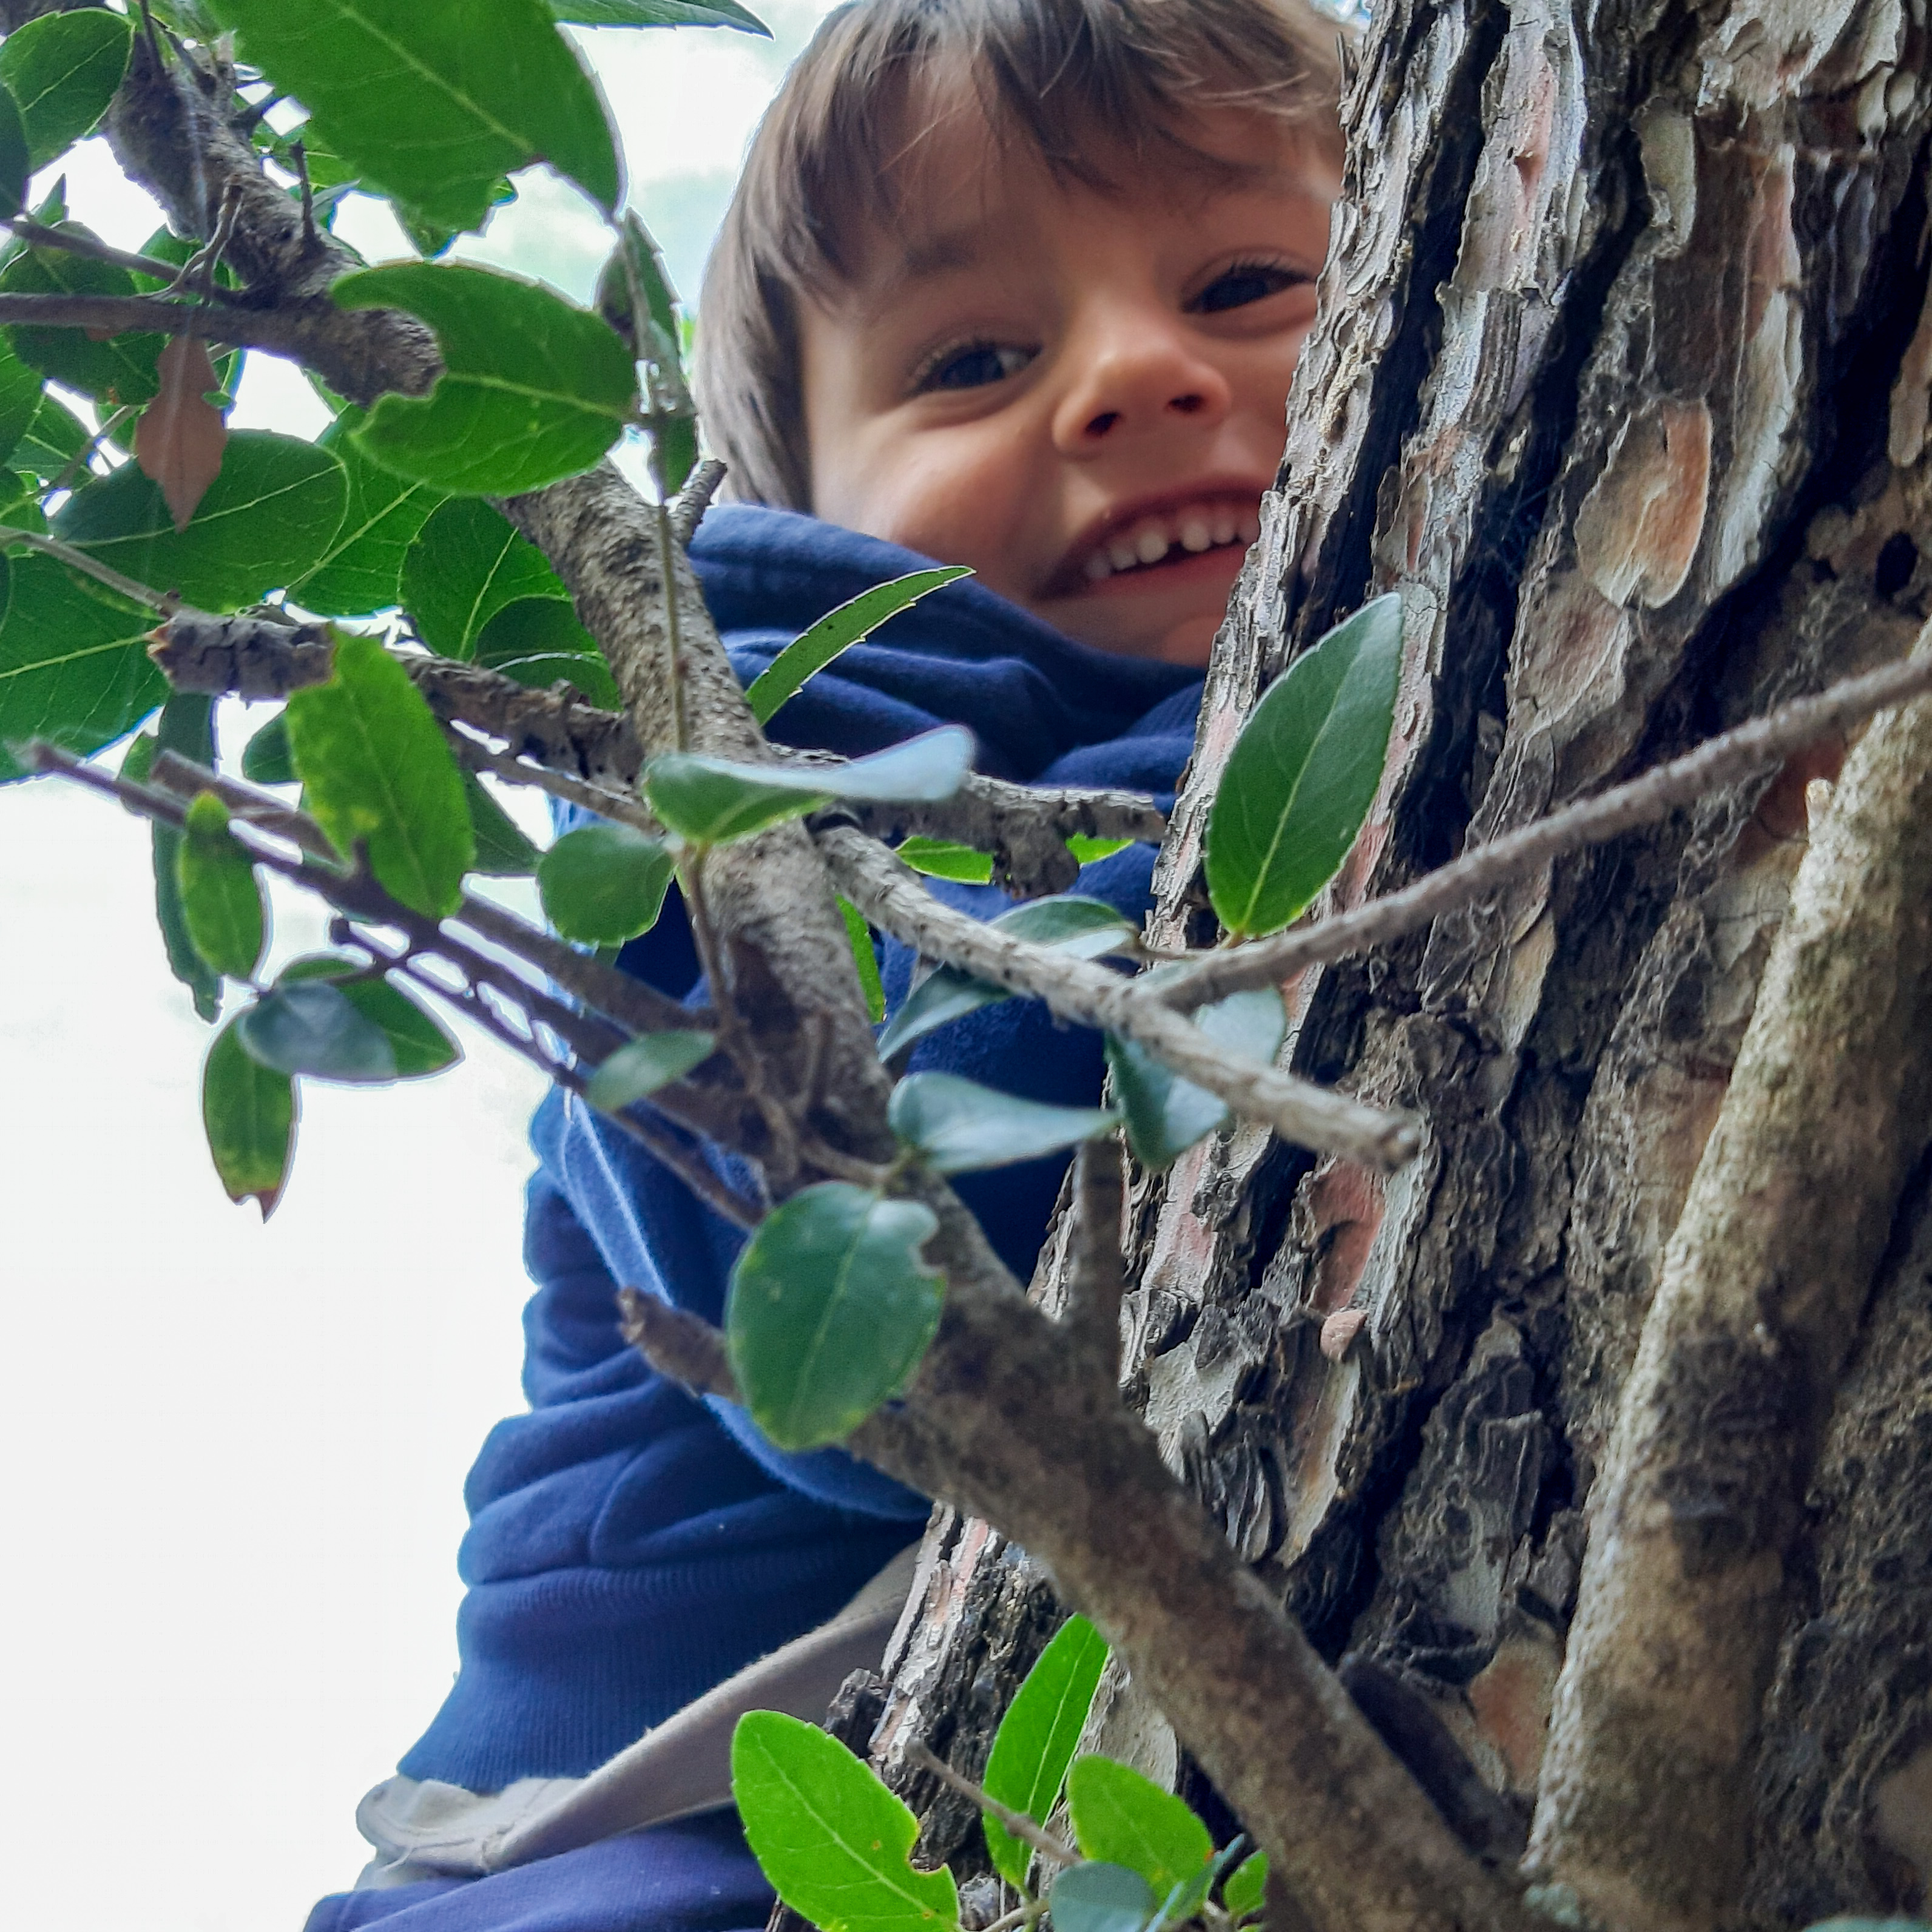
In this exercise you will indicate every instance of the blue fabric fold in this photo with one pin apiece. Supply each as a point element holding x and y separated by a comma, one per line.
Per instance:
<point>628,1547</point>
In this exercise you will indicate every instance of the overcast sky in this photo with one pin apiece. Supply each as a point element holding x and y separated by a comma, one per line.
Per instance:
<point>234,1452</point>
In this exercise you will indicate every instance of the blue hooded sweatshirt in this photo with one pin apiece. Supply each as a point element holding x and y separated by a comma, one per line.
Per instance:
<point>629,1546</point>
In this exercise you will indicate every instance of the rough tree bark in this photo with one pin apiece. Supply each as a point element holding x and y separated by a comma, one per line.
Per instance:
<point>1621,375</point>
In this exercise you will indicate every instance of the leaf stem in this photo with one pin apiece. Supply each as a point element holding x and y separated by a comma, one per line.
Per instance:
<point>166,603</point>
<point>1017,1823</point>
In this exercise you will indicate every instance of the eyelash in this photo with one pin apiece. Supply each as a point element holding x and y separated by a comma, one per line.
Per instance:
<point>1279,275</point>
<point>927,377</point>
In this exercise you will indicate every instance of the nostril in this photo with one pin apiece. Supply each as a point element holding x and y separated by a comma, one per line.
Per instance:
<point>1103,422</point>
<point>1188,405</point>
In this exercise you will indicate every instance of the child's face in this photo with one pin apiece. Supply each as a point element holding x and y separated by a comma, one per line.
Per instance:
<point>1081,395</point>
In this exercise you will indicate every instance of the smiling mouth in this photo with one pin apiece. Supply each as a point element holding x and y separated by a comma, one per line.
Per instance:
<point>1164,537</point>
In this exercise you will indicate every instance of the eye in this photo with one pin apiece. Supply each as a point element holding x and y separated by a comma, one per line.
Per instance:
<point>971,365</point>
<point>1245,282</point>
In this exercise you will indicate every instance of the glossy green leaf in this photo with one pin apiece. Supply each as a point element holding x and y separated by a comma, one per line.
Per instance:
<point>1122,1817</point>
<point>865,959</point>
<point>604,883</point>
<point>710,800</point>
<point>186,725</point>
<point>659,13</point>
<point>538,640</point>
<point>222,901</point>
<point>62,70</point>
<point>312,1027</point>
<point>1246,1885</point>
<point>1081,928</point>
<point>835,1844</point>
<point>830,1310</point>
<point>419,1043</point>
<point>360,571</point>
<point>942,859</point>
<point>435,100</point>
<point>502,851</point>
<point>839,630</point>
<point>1304,773</point>
<point>376,773</point>
<point>121,370</point>
<point>1100,1897</point>
<point>1037,1737</point>
<point>74,661</point>
<point>958,1126</point>
<point>465,565</point>
<point>263,522</point>
<point>249,1113</point>
<point>266,758</point>
<point>533,388</point>
<point>1165,1114</point>
<point>641,1067</point>
<point>16,163</point>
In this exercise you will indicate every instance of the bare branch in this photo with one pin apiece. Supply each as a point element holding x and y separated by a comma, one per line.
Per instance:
<point>88,566</point>
<point>251,656</point>
<point>681,1345</point>
<point>891,896</point>
<point>183,777</point>
<point>1723,760</point>
<point>688,506</point>
<point>1647,1788</point>
<point>1097,1277</point>
<point>512,770</point>
<point>1017,1823</point>
<point>73,241</point>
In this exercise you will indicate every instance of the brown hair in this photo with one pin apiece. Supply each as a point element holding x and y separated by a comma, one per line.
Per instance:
<point>1066,77</point>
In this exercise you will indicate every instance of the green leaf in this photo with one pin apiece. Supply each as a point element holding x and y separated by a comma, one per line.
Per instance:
<point>710,800</point>
<point>1303,773</point>
<point>1246,1885</point>
<point>1185,1900</point>
<point>186,725</point>
<point>1165,1114</point>
<point>221,898</point>
<point>1081,928</point>
<point>53,438</point>
<point>465,565</point>
<point>16,163</point>
<point>1100,1897</point>
<point>264,522</point>
<point>604,883</point>
<point>503,852</point>
<point>537,640</point>
<point>830,1311</point>
<point>74,661</point>
<point>361,569</point>
<point>121,370</point>
<point>434,100</point>
<point>62,70</point>
<point>865,959</point>
<point>839,630</point>
<point>833,1841</point>
<point>641,1067</point>
<point>659,13</point>
<point>249,1113</point>
<point>312,1027</point>
<point>958,1126</point>
<point>532,388</point>
<point>266,758</point>
<point>1088,850</point>
<point>1037,1737</point>
<point>942,859</point>
<point>419,1043</point>
<point>376,772</point>
<point>1121,1817</point>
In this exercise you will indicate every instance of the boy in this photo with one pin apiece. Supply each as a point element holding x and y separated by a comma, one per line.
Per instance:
<point>1015,283</point>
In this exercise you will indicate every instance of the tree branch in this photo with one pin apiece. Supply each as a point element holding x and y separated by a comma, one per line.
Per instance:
<point>891,897</point>
<point>1737,754</point>
<point>1017,1823</point>
<point>1646,1786</point>
<point>1097,1274</point>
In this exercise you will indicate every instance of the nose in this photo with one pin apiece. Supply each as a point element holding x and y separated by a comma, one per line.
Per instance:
<point>1135,371</point>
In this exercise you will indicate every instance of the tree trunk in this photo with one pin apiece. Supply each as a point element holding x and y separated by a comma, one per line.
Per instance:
<point>1622,376</point>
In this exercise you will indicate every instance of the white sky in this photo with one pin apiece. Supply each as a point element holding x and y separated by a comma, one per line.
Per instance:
<point>234,1454</point>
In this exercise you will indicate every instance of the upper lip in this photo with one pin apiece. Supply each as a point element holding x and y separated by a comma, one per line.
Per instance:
<point>1065,576</point>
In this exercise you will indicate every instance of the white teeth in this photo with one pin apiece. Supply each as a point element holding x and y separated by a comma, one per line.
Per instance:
<point>1194,533</point>
<point>1097,567</point>
<point>1150,543</point>
<point>1203,528</point>
<point>1223,526</point>
<point>1121,554</point>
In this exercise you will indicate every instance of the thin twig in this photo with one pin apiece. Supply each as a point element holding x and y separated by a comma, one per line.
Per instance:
<point>688,506</point>
<point>85,454</point>
<point>1020,1915</point>
<point>605,800</point>
<point>893,898</point>
<point>676,1343</point>
<point>174,773</point>
<point>37,234</point>
<point>674,650</point>
<point>1722,761</point>
<point>78,560</point>
<point>1017,1823</point>
<point>298,153</point>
